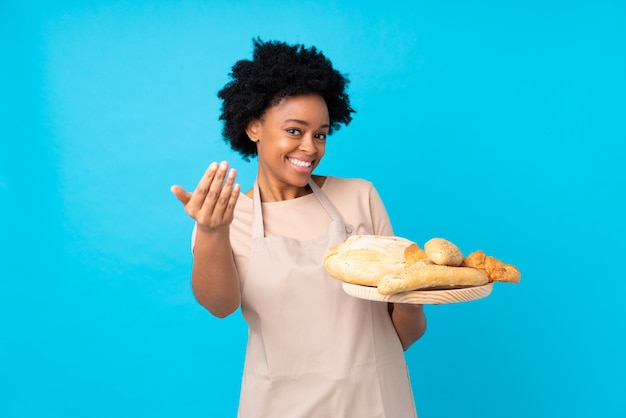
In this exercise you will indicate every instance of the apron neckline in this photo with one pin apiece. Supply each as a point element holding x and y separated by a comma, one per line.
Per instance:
<point>258,230</point>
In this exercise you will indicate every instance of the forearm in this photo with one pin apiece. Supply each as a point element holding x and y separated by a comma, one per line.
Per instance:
<point>214,278</point>
<point>409,322</point>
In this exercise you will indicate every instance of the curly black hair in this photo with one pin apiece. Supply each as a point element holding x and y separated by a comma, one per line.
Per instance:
<point>278,70</point>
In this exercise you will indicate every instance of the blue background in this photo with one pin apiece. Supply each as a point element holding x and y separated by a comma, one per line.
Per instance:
<point>498,125</point>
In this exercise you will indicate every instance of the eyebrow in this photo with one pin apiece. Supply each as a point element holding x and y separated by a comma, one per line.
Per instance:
<point>305,123</point>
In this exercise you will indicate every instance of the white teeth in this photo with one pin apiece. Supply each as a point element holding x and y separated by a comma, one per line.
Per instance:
<point>300,163</point>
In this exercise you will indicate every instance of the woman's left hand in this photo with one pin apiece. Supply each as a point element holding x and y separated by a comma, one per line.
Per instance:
<point>409,321</point>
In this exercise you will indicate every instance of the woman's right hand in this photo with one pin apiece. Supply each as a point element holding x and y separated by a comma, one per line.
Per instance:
<point>212,203</point>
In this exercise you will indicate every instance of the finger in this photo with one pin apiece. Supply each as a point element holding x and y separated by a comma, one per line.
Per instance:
<point>215,188</point>
<point>181,194</point>
<point>202,188</point>
<point>229,214</point>
<point>220,175</point>
<point>219,193</point>
<point>226,193</point>
<point>227,189</point>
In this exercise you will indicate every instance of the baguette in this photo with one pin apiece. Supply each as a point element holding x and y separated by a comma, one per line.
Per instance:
<point>430,276</point>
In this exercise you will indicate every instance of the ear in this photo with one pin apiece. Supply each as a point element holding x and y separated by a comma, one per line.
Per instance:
<point>253,130</point>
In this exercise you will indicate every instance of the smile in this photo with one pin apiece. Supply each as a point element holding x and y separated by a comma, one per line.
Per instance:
<point>300,163</point>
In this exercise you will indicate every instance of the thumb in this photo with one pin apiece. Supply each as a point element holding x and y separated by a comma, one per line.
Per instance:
<point>181,194</point>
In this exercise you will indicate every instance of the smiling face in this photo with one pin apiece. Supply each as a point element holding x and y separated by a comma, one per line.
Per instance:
<point>291,141</point>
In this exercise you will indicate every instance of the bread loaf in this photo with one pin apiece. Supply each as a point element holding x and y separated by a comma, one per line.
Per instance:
<point>365,259</point>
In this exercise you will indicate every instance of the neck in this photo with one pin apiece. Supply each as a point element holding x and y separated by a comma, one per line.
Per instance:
<point>275,193</point>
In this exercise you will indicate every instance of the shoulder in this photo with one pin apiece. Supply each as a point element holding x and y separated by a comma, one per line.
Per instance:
<point>359,203</point>
<point>341,184</point>
<point>351,191</point>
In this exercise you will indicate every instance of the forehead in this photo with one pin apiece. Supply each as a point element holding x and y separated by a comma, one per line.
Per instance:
<point>306,107</point>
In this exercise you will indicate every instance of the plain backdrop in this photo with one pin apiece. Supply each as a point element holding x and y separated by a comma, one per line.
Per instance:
<point>497,125</point>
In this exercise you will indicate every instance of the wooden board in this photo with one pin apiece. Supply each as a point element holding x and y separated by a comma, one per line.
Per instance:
<point>427,297</point>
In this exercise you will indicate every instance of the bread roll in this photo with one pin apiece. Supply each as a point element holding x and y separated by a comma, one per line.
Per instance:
<point>443,252</point>
<point>422,276</point>
<point>365,259</point>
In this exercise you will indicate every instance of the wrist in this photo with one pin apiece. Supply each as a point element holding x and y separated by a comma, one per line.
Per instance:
<point>209,230</point>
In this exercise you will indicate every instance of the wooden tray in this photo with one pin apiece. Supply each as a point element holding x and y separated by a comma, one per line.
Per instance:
<point>427,297</point>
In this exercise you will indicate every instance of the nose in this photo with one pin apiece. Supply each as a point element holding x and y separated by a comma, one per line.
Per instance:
<point>308,145</point>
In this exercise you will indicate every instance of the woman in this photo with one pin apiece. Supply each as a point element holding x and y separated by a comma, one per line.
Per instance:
<point>312,349</point>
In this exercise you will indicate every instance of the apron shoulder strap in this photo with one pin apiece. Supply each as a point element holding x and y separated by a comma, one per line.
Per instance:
<point>257,214</point>
<point>332,211</point>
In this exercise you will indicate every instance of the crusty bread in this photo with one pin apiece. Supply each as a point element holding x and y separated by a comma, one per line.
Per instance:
<point>395,264</point>
<point>365,259</point>
<point>443,252</point>
<point>413,253</point>
<point>422,276</point>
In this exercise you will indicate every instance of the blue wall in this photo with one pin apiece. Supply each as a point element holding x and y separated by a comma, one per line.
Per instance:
<point>498,125</point>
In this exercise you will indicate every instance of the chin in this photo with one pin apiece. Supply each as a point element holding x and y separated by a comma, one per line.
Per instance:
<point>303,183</point>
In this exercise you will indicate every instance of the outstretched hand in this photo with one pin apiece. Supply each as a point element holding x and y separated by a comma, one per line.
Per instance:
<point>212,203</point>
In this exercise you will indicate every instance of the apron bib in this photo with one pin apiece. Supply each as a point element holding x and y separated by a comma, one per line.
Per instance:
<point>313,350</point>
